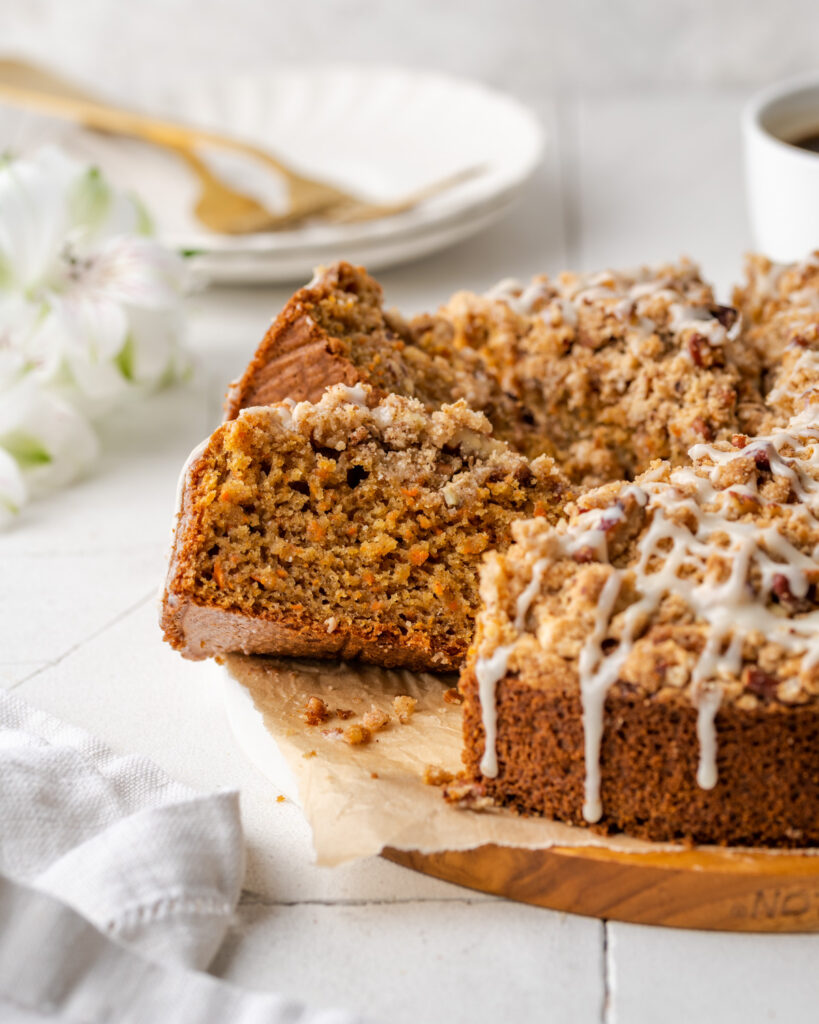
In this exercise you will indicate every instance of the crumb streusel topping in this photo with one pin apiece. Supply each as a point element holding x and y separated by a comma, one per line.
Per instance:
<point>700,578</point>
<point>614,369</point>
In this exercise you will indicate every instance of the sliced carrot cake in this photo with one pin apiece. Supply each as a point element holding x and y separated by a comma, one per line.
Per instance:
<point>336,331</point>
<point>349,527</point>
<point>604,372</point>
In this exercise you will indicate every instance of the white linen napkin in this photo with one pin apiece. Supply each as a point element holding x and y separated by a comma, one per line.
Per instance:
<point>114,881</point>
<point>148,861</point>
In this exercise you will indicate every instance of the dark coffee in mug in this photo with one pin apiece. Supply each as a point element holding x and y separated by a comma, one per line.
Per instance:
<point>809,141</point>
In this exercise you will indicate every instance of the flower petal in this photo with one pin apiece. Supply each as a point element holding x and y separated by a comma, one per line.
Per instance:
<point>33,420</point>
<point>13,490</point>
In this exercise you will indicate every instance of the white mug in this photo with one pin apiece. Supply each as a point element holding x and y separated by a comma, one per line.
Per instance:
<point>782,180</point>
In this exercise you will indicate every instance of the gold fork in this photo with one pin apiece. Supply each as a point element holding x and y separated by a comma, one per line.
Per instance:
<point>219,206</point>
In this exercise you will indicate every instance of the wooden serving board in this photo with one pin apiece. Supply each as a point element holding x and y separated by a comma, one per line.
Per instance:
<point>701,887</point>
<point>723,890</point>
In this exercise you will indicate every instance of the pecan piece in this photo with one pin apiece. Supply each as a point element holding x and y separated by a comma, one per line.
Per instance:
<point>726,315</point>
<point>760,683</point>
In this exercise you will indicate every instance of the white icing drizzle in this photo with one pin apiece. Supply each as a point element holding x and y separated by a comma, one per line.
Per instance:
<point>597,673</point>
<point>678,559</point>
<point>520,298</point>
<point>529,593</point>
<point>707,707</point>
<point>559,302</point>
<point>807,364</point>
<point>489,671</point>
<point>355,395</point>
<point>699,319</point>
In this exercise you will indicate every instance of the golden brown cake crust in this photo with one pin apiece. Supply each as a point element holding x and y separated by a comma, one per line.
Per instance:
<point>768,788</point>
<point>652,662</point>
<point>297,357</point>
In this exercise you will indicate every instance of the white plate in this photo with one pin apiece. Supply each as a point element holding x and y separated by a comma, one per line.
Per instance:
<point>251,734</point>
<point>379,132</point>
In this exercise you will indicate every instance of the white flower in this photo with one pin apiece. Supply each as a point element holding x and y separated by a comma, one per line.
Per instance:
<point>13,490</point>
<point>89,313</point>
<point>50,441</point>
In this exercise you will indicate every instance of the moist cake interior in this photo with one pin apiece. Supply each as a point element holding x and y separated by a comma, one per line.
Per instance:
<point>355,520</point>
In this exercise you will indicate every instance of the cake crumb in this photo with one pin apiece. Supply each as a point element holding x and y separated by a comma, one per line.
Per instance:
<point>309,753</point>
<point>376,719</point>
<point>468,795</point>
<point>345,713</point>
<point>357,735</point>
<point>280,799</point>
<point>404,708</point>
<point>453,696</point>
<point>435,776</point>
<point>316,711</point>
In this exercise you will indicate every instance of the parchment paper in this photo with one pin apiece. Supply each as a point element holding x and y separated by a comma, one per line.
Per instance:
<point>360,799</point>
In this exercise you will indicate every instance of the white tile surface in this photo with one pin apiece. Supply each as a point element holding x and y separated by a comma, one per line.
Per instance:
<point>679,977</point>
<point>75,594</point>
<point>14,672</point>
<point>128,687</point>
<point>659,177</point>
<point>436,963</point>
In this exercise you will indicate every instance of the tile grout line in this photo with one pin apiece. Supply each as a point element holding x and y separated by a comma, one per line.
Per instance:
<point>569,173</point>
<point>255,901</point>
<point>606,1015</point>
<point>81,643</point>
<point>138,547</point>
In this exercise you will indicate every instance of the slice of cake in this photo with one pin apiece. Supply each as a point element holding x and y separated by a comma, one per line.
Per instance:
<point>336,331</point>
<point>780,311</point>
<point>349,527</point>
<point>652,664</point>
<point>604,372</point>
<point>614,369</point>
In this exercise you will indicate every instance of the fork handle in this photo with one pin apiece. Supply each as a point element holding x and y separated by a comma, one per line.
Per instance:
<point>53,96</point>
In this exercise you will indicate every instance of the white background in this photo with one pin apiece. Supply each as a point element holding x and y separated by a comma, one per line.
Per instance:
<point>527,46</point>
<point>641,103</point>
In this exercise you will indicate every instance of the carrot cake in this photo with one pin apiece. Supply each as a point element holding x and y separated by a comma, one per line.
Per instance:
<point>780,311</point>
<point>336,331</point>
<point>615,369</point>
<point>651,664</point>
<point>646,656</point>
<point>349,527</point>
<point>605,372</point>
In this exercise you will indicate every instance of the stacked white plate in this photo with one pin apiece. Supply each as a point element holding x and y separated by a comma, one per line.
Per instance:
<point>379,133</point>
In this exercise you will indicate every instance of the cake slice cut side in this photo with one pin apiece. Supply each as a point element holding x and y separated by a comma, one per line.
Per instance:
<point>336,331</point>
<point>350,527</point>
<point>332,331</point>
